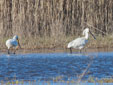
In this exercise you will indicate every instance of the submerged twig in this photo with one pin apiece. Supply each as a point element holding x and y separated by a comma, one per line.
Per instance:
<point>84,72</point>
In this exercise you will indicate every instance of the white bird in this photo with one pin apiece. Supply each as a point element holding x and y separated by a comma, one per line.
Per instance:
<point>13,43</point>
<point>79,43</point>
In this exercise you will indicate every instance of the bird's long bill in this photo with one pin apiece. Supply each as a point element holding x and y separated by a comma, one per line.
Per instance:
<point>19,43</point>
<point>92,35</point>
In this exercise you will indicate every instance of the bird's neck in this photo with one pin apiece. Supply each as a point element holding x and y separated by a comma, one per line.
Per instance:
<point>14,39</point>
<point>86,36</point>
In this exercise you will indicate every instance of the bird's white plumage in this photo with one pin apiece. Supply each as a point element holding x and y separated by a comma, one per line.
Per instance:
<point>85,31</point>
<point>12,42</point>
<point>79,43</point>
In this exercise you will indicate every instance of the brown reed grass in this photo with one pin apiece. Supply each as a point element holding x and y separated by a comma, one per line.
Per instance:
<point>50,23</point>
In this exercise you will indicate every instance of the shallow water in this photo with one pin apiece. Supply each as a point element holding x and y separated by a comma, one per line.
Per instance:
<point>47,66</point>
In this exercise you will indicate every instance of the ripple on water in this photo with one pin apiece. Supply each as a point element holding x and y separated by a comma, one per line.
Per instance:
<point>49,65</point>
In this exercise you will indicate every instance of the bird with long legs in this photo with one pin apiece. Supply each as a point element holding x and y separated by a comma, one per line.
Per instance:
<point>80,42</point>
<point>13,43</point>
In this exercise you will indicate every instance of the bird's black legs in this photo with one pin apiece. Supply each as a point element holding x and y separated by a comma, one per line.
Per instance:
<point>14,51</point>
<point>80,51</point>
<point>84,50</point>
<point>8,51</point>
<point>70,50</point>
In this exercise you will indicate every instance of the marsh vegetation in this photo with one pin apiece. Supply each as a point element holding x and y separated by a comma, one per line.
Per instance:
<point>53,23</point>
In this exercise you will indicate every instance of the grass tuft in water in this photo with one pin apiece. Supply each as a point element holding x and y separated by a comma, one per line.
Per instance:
<point>58,82</point>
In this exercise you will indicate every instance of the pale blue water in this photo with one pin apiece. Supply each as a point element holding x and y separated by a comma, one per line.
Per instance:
<point>47,66</point>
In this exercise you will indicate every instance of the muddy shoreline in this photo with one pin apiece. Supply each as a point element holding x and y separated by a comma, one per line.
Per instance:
<point>58,50</point>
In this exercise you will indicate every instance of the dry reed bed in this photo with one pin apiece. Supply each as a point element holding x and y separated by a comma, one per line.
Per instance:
<point>53,23</point>
<point>32,18</point>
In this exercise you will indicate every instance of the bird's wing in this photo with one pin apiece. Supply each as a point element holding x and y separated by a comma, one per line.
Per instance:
<point>70,44</point>
<point>77,42</point>
<point>12,42</point>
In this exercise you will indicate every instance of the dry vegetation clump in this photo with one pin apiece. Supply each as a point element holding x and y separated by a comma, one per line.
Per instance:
<point>103,80</point>
<point>91,80</point>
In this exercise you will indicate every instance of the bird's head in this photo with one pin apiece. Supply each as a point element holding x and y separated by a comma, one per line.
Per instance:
<point>86,31</point>
<point>16,38</point>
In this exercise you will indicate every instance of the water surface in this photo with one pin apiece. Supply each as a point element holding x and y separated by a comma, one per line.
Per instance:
<point>47,66</point>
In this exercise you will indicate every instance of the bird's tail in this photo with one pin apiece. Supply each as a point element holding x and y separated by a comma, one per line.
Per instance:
<point>69,45</point>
